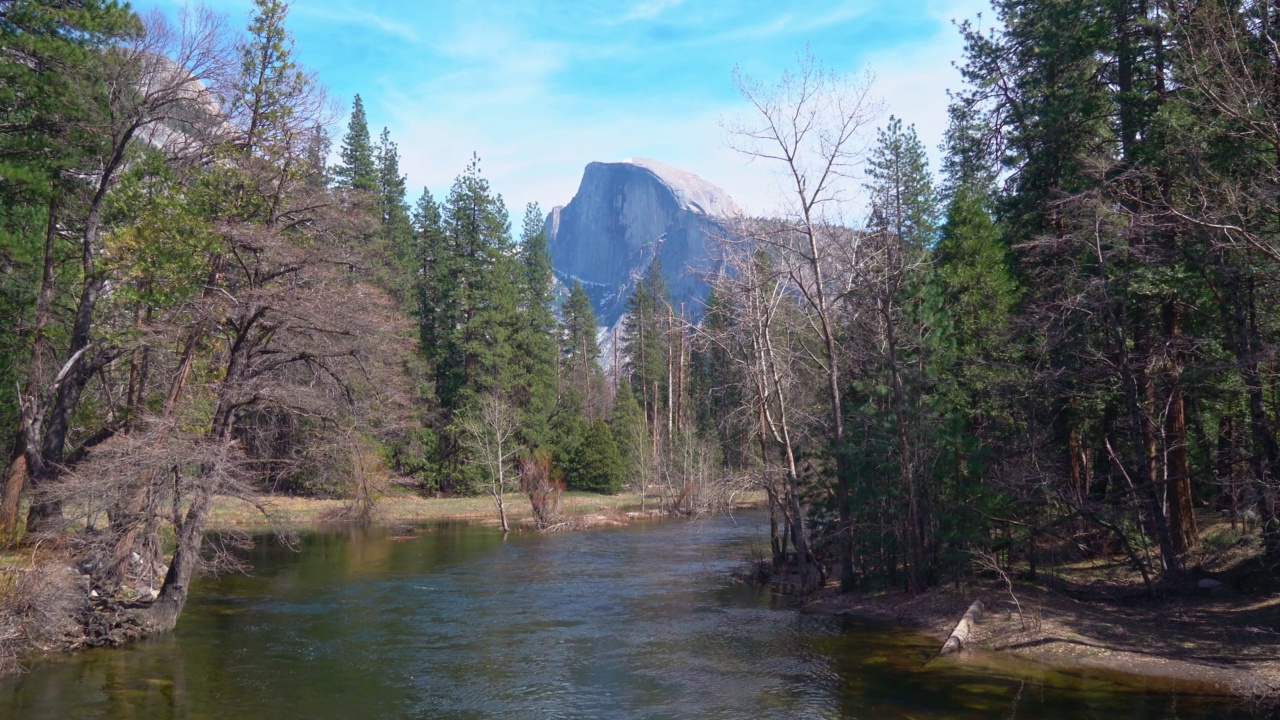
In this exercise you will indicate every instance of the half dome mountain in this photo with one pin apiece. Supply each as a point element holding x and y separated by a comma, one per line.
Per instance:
<point>626,214</point>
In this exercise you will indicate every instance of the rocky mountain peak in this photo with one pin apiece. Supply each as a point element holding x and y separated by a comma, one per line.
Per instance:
<point>627,213</point>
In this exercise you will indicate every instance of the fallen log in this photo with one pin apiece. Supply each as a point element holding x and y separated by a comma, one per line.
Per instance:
<point>960,636</point>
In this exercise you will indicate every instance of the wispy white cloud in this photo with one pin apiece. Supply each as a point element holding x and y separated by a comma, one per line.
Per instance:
<point>836,16</point>
<point>648,9</point>
<point>505,100</point>
<point>352,16</point>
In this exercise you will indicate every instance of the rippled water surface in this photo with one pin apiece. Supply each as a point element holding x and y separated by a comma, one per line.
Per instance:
<point>452,621</point>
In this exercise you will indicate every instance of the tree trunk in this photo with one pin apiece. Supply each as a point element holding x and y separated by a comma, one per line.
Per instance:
<point>502,512</point>
<point>46,513</point>
<point>15,479</point>
<point>844,537</point>
<point>1182,519</point>
<point>163,613</point>
<point>33,410</point>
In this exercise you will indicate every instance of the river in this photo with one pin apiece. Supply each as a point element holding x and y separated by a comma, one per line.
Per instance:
<point>453,621</point>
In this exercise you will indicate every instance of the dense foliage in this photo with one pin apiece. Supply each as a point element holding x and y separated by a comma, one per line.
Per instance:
<point>1070,346</point>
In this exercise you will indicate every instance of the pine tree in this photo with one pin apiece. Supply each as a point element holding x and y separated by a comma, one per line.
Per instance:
<point>53,104</point>
<point>713,385</point>
<point>479,295</point>
<point>318,174</point>
<point>596,466</point>
<point>971,298</point>
<point>579,350</point>
<point>972,267</point>
<point>971,158</point>
<point>900,436</point>
<point>533,337</point>
<point>468,298</point>
<point>432,274</point>
<point>266,96</point>
<point>391,185</point>
<point>903,200</point>
<point>394,237</point>
<point>358,169</point>
<point>582,391</point>
<point>1084,110</point>
<point>628,426</point>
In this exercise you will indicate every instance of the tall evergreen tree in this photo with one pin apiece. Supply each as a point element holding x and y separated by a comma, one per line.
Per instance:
<point>533,338</point>
<point>581,386</point>
<point>432,272</point>
<point>714,386</point>
<point>899,434</point>
<point>395,244</point>
<point>628,425</point>
<point>478,299</point>
<point>318,173</point>
<point>1080,107</point>
<point>53,106</point>
<point>596,465</point>
<point>265,98</point>
<point>392,207</point>
<point>903,200</point>
<point>358,168</point>
<point>579,350</point>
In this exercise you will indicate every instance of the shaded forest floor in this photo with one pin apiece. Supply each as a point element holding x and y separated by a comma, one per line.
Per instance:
<point>1094,616</point>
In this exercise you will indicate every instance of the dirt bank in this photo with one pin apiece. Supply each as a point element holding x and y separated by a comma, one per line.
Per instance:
<point>1198,641</point>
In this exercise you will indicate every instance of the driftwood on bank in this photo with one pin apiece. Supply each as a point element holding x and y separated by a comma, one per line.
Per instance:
<point>960,636</point>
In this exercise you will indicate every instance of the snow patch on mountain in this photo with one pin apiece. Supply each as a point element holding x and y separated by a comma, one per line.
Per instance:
<point>692,192</point>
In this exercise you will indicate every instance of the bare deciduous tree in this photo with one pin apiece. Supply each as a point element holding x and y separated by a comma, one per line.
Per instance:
<point>762,341</point>
<point>812,125</point>
<point>489,432</point>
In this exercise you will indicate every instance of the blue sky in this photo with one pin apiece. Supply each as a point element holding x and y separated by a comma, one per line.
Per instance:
<point>539,89</point>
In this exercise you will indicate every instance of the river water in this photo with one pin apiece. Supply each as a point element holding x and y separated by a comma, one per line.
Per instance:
<point>453,621</point>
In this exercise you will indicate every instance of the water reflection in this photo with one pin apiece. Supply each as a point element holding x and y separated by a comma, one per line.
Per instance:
<point>453,621</point>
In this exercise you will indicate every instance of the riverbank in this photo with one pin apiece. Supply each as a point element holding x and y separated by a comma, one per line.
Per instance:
<point>580,509</point>
<point>280,511</point>
<point>1212,643</point>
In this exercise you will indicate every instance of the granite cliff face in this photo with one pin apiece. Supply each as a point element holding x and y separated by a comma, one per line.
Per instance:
<point>623,216</point>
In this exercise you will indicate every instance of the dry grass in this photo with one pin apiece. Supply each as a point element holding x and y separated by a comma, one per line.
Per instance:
<point>38,605</point>
<point>404,507</point>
